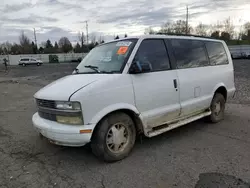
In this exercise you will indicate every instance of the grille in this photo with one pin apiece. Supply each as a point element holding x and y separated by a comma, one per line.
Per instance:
<point>48,116</point>
<point>45,103</point>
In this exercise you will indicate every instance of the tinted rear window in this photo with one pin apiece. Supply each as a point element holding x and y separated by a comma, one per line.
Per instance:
<point>189,53</point>
<point>216,53</point>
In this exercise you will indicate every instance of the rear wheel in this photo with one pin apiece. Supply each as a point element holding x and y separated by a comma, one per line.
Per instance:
<point>217,108</point>
<point>114,137</point>
<point>38,64</point>
<point>23,64</point>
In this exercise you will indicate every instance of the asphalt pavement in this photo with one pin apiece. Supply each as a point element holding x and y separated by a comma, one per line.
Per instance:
<point>199,155</point>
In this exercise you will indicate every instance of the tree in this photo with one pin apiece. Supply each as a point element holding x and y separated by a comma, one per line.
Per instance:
<point>216,34</point>
<point>41,50</point>
<point>34,48</point>
<point>93,38</point>
<point>77,48</point>
<point>56,47</point>
<point>65,45</point>
<point>16,49</point>
<point>225,36</point>
<point>125,36</point>
<point>228,27</point>
<point>180,27</point>
<point>167,28</point>
<point>201,30</point>
<point>149,31</point>
<point>117,37</point>
<point>100,41</point>
<point>24,40</point>
<point>49,47</point>
<point>6,47</point>
<point>48,44</point>
<point>25,43</point>
<point>81,38</point>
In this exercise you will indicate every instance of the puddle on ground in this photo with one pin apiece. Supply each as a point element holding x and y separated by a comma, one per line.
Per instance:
<point>217,180</point>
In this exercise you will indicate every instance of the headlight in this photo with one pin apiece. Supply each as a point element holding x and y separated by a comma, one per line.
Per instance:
<point>70,113</point>
<point>75,120</point>
<point>68,105</point>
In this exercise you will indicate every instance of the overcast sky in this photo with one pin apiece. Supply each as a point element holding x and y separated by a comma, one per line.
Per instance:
<point>55,18</point>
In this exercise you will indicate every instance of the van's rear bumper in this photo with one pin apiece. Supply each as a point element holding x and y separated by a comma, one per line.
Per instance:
<point>61,134</point>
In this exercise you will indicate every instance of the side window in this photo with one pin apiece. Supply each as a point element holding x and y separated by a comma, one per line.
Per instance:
<point>216,53</point>
<point>154,53</point>
<point>189,53</point>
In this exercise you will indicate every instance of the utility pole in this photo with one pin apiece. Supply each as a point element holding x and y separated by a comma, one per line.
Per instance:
<point>87,32</point>
<point>35,36</point>
<point>187,21</point>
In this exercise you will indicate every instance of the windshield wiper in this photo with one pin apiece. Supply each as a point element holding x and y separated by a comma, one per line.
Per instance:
<point>95,68</point>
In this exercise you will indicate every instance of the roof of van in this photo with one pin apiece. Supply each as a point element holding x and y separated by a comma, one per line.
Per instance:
<point>176,36</point>
<point>161,36</point>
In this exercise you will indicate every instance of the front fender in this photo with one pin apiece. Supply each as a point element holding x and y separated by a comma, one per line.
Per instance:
<point>112,108</point>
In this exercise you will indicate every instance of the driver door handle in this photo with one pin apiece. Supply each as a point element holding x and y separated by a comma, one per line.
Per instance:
<point>175,84</point>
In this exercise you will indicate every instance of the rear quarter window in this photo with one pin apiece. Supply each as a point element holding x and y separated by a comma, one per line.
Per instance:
<point>189,53</point>
<point>216,53</point>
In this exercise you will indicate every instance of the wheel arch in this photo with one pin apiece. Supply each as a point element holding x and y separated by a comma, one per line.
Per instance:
<point>132,112</point>
<point>222,90</point>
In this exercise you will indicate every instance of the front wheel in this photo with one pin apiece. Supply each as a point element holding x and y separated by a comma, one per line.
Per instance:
<point>217,108</point>
<point>114,137</point>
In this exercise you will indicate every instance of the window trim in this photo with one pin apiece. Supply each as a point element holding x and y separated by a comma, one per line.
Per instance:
<point>164,43</point>
<point>223,49</point>
<point>203,46</point>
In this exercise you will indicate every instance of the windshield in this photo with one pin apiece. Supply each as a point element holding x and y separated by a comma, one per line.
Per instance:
<point>107,58</point>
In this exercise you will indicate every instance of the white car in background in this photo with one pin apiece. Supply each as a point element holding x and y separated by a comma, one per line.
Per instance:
<point>29,61</point>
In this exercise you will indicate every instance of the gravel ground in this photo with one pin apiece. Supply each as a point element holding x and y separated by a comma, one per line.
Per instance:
<point>199,155</point>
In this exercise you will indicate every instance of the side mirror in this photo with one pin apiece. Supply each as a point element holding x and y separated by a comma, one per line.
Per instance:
<point>137,68</point>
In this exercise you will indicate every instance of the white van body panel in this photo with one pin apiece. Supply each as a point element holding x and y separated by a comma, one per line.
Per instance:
<point>156,98</point>
<point>63,88</point>
<point>112,92</point>
<point>197,86</point>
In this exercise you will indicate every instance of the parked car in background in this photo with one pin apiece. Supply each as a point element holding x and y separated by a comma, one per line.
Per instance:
<point>29,61</point>
<point>239,55</point>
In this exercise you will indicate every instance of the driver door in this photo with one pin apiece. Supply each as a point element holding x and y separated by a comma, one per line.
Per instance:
<point>156,91</point>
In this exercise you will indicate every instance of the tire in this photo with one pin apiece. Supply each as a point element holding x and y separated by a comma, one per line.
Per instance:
<point>23,64</point>
<point>38,64</point>
<point>217,108</point>
<point>103,140</point>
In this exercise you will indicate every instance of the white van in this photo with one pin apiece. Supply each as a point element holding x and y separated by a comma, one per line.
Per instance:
<point>150,85</point>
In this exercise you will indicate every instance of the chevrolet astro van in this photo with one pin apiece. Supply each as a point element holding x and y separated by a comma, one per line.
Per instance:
<point>140,85</point>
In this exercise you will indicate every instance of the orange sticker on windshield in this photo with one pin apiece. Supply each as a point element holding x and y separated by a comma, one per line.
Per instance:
<point>122,50</point>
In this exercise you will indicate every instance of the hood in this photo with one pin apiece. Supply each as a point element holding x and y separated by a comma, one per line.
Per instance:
<point>63,88</point>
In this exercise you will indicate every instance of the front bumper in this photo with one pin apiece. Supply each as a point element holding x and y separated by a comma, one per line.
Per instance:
<point>61,134</point>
